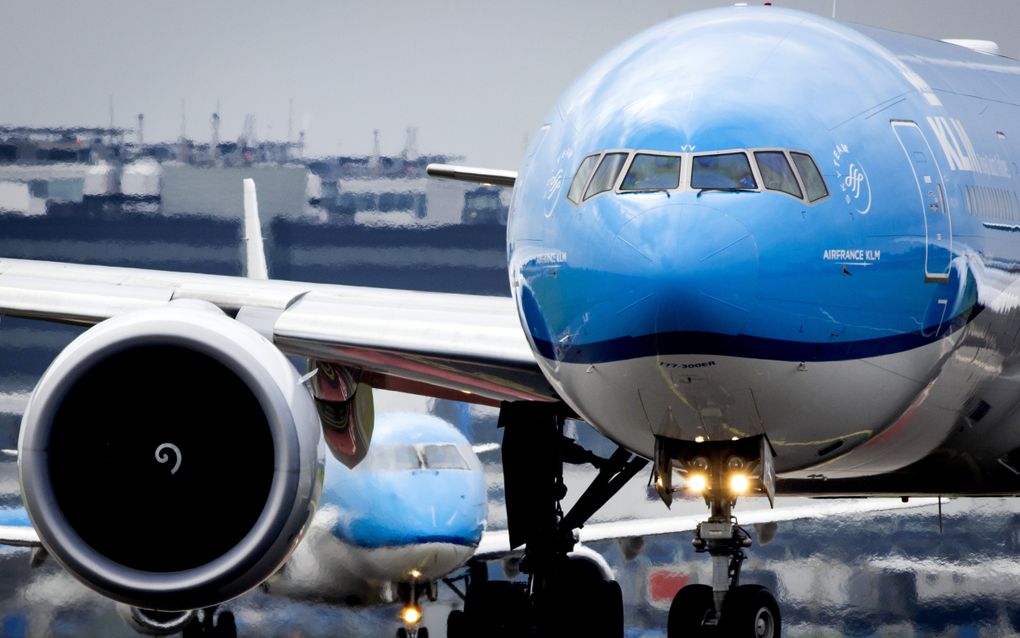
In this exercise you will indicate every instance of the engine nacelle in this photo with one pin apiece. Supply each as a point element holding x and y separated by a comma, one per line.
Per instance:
<point>155,623</point>
<point>171,458</point>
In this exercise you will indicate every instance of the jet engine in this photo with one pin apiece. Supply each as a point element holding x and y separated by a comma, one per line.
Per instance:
<point>171,458</point>
<point>155,623</point>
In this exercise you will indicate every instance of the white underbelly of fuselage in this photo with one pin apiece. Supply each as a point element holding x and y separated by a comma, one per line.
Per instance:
<point>815,414</point>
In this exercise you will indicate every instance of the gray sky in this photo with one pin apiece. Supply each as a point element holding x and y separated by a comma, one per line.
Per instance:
<point>475,77</point>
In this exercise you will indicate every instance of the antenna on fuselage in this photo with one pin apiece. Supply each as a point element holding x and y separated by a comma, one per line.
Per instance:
<point>254,253</point>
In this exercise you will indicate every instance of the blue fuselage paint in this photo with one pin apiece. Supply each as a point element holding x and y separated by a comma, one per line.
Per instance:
<point>918,144</point>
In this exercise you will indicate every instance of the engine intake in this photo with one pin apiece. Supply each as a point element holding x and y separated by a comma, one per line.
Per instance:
<point>170,458</point>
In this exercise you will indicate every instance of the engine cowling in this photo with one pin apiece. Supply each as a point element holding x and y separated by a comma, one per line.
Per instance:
<point>155,623</point>
<point>171,458</point>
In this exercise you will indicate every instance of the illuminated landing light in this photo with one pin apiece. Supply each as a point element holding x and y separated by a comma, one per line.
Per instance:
<point>411,615</point>
<point>699,439</point>
<point>739,483</point>
<point>697,483</point>
<point>415,574</point>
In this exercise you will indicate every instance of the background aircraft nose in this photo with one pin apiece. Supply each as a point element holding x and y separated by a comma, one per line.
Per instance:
<point>705,266</point>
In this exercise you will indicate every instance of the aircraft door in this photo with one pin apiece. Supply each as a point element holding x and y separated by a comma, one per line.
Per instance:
<point>938,223</point>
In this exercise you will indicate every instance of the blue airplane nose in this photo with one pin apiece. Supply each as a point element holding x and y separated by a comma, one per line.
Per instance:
<point>705,269</point>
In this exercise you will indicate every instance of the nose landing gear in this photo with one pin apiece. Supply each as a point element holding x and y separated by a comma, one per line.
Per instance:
<point>411,614</point>
<point>721,471</point>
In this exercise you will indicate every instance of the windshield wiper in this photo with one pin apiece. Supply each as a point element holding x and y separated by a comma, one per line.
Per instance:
<point>646,191</point>
<point>727,189</point>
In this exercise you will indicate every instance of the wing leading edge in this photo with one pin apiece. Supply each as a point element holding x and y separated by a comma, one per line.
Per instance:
<point>467,347</point>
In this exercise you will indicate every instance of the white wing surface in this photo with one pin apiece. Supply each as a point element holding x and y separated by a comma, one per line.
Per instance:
<point>466,347</point>
<point>495,544</point>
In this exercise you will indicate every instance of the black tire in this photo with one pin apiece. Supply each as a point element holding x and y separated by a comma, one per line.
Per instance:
<point>612,599</point>
<point>687,613</point>
<point>226,626</point>
<point>456,625</point>
<point>496,609</point>
<point>750,611</point>
<point>423,632</point>
<point>401,633</point>
<point>193,630</point>
<point>584,604</point>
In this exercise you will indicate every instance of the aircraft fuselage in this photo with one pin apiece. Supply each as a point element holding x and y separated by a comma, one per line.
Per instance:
<point>695,281</point>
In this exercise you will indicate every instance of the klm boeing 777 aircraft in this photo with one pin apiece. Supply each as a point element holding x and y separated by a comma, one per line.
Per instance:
<point>768,252</point>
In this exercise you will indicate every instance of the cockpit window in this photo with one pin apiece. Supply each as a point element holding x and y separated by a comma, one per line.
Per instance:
<point>813,182</point>
<point>605,177</point>
<point>652,172</point>
<point>776,172</point>
<point>444,456</point>
<point>581,177</point>
<point>393,458</point>
<point>726,171</point>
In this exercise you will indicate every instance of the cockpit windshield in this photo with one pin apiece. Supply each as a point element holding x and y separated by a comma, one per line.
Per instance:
<point>776,172</point>
<point>392,458</point>
<point>725,172</point>
<point>406,458</point>
<point>443,456</point>
<point>581,178</point>
<point>813,182</point>
<point>793,173</point>
<point>652,172</point>
<point>605,176</point>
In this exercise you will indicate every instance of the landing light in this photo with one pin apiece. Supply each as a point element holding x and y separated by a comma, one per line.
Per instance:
<point>415,574</point>
<point>697,483</point>
<point>739,483</point>
<point>411,615</point>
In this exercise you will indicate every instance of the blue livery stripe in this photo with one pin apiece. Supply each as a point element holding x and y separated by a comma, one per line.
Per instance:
<point>748,346</point>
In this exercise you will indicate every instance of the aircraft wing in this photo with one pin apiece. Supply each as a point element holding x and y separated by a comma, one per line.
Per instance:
<point>16,529</point>
<point>495,544</point>
<point>465,347</point>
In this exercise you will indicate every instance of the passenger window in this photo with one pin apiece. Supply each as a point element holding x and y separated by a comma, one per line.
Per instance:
<point>813,182</point>
<point>605,176</point>
<point>444,457</point>
<point>776,172</point>
<point>728,171</point>
<point>652,172</point>
<point>581,177</point>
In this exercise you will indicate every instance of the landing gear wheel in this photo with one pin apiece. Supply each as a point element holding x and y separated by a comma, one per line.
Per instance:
<point>750,611</point>
<point>401,633</point>
<point>496,609</point>
<point>226,626</point>
<point>423,632</point>
<point>691,606</point>
<point>456,625</point>
<point>612,600</point>
<point>582,603</point>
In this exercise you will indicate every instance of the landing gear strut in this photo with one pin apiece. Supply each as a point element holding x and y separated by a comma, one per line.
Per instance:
<point>411,613</point>
<point>209,624</point>
<point>722,471</point>
<point>569,593</point>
